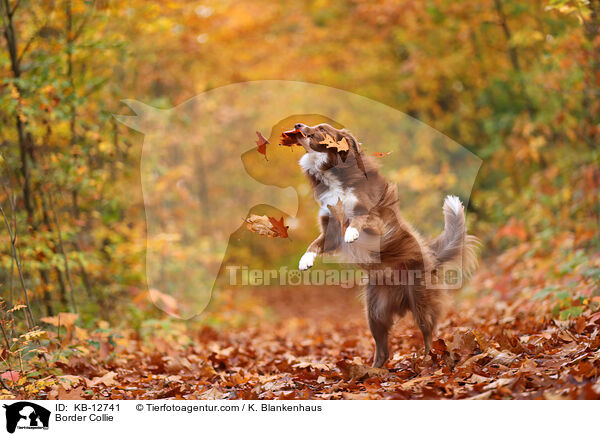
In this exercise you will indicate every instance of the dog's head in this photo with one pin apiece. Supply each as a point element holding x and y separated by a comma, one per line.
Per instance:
<point>324,138</point>
<point>315,139</point>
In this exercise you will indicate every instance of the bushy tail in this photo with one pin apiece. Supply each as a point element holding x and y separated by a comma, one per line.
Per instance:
<point>454,247</point>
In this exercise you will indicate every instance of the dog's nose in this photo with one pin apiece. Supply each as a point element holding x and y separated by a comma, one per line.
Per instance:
<point>298,126</point>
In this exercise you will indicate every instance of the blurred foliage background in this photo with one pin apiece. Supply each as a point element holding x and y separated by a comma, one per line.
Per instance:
<point>516,83</point>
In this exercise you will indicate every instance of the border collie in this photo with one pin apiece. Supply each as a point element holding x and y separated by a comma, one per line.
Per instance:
<point>359,217</point>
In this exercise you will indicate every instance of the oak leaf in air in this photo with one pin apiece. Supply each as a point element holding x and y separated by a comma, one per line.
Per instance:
<point>261,144</point>
<point>290,138</point>
<point>381,154</point>
<point>279,227</point>
<point>266,226</point>
<point>341,145</point>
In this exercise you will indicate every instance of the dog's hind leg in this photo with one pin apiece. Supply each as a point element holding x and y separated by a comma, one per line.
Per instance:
<point>427,309</point>
<point>426,326</point>
<point>380,317</point>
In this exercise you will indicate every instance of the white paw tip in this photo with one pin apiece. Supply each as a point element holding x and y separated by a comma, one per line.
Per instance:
<point>351,234</point>
<point>454,203</point>
<point>306,261</point>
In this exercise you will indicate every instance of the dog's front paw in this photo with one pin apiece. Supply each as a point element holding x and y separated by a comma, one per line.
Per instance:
<point>351,234</point>
<point>306,261</point>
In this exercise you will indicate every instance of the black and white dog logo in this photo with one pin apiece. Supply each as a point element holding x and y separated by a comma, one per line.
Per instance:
<point>26,415</point>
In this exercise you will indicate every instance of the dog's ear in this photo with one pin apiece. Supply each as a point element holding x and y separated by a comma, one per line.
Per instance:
<point>354,146</point>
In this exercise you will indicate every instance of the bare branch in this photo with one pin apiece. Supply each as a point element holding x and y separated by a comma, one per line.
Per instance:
<point>27,46</point>
<point>63,251</point>
<point>14,9</point>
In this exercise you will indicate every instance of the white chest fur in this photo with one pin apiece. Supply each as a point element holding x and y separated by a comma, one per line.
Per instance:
<point>333,188</point>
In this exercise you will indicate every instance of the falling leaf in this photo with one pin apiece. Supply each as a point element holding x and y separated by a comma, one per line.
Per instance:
<point>279,227</point>
<point>381,154</point>
<point>261,143</point>
<point>266,226</point>
<point>341,145</point>
<point>290,137</point>
<point>261,225</point>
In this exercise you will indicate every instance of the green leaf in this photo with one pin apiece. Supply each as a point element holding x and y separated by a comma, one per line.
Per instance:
<point>571,312</point>
<point>548,290</point>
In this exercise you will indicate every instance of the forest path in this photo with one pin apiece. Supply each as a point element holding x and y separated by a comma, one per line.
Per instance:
<point>315,344</point>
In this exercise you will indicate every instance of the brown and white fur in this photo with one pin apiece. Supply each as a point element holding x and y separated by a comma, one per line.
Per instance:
<point>376,237</point>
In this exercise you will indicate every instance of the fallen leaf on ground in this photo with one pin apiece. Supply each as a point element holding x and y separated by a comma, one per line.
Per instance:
<point>212,394</point>
<point>314,365</point>
<point>107,379</point>
<point>352,370</point>
<point>502,357</point>
<point>73,394</point>
<point>12,376</point>
<point>68,381</point>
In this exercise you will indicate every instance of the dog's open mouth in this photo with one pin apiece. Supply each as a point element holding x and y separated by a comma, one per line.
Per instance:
<point>290,137</point>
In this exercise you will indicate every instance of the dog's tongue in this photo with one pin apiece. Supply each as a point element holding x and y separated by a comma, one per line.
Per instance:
<point>290,137</point>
